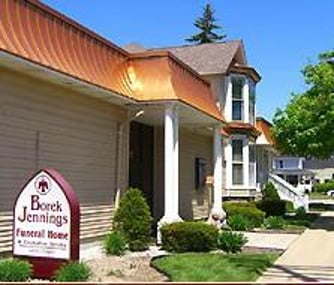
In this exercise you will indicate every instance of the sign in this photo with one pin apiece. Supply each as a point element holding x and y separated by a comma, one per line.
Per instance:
<point>46,223</point>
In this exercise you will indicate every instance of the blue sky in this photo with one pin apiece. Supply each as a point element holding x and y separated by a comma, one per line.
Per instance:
<point>280,36</point>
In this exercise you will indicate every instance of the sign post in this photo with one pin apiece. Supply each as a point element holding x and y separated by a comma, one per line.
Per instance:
<point>46,223</point>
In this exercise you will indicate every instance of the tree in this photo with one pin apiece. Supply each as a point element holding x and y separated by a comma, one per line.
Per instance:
<point>207,25</point>
<point>306,126</point>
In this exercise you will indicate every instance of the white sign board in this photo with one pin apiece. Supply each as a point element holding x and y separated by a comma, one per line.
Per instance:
<point>42,220</point>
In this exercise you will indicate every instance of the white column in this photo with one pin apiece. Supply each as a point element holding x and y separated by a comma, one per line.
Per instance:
<point>246,100</point>
<point>228,102</point>
<point>228,159</point>
<point>217,211</point>
<point>245,155</point>
<point>171,195</point>
<point>218,168</point>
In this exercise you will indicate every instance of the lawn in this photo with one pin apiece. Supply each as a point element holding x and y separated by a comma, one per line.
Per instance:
<point>320,196</point>
<point>214,267</point>
<point>295,222</point>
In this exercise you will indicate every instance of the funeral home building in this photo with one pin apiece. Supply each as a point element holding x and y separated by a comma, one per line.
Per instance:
<point>108,118</point>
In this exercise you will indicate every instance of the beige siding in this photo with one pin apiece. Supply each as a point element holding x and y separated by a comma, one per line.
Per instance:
<point>218,88</point>
<point>43,125</point>
<point>193,204</point>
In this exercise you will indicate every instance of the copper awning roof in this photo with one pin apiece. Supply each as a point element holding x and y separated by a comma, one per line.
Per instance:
<point>35,32</point>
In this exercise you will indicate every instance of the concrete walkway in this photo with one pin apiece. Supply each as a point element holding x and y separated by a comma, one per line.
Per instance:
<point>310,258</point>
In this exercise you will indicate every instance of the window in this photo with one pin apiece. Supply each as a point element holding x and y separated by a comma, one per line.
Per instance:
<point>200,173</point>
<point>252,101</point>
<point>281,165</point>
<point>237,162</point>
<point>237,99</point>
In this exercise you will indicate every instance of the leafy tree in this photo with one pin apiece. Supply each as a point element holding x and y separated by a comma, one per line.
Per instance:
<point>207,25</point>
<point>306,126</point>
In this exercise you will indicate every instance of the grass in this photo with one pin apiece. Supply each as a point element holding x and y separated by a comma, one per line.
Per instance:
<point>198,267</point>
<point>320,196</point>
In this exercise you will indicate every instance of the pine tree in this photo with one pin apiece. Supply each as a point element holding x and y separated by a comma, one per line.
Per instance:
<point>207,25</point>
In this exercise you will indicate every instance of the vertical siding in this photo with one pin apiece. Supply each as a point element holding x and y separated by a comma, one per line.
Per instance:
<point>43,125</point>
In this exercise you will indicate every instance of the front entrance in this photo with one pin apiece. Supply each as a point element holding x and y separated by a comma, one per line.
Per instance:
<point>141,160</point>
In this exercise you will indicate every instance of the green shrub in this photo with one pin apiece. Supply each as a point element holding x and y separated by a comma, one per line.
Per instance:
<point>114,243</point>
<point>231,242</point>
<point>272,207</point>
<point>133,220</point>
<point>189,236</point>
<point>324,187</point>
<point>73,272</point>
<point>247,210</point>
<point>14,270</point>
<point>239,223</point>
<point>289,207</point>
<point>274,223</point>
<point>270,192</point>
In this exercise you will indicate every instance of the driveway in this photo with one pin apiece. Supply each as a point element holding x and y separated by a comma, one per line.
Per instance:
<point>310,258</point>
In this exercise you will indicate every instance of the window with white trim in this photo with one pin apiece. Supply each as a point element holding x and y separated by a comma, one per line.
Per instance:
<point>238,98</point>
<point>237,162</point>
<point>252,102</point>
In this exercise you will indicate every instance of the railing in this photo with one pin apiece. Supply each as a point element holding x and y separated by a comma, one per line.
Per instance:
<point>288,192</point>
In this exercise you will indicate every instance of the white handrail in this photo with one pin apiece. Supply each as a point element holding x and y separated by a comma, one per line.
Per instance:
<point>288,192</point>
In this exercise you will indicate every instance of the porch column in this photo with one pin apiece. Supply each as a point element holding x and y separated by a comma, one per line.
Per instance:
<point>217,212</point>
<point>171,195</point>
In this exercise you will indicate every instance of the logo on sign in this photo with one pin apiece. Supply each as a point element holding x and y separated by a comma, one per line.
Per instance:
<point>43,184</point>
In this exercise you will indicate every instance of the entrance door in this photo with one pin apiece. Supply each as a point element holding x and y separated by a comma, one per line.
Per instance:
<point>141,160</point>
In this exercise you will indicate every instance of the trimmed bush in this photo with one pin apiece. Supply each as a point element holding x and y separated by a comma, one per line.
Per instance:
<point>239,223</point>
<point>231,242</point>
<point>247,210</point>
<point>133,220</point>
<point>73,272</point>
<point>272,207</point>
<point>274,223</point>
<point>14,270</point>
<point>189,236</point>
<point>324,187</point>
<point>114,243</point>
<point>270,192</point>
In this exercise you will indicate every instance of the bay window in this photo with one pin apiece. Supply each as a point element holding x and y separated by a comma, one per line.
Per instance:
<point>237,98</point>
<point>237,162</point>
<point>252,99</point>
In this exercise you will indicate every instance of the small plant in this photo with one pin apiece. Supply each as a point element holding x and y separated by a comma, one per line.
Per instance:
<point>270,192</point>
<point>239,223</point>
<point>114,243</point>
<point>133,220</point>
<point>15,270</point>
<point>73,272</point>
<point>231,242</point>
<point>301,213</point>
<point>274,223</point>
<point>289,208</point>
<point>247,210</point>
<point>324,187</point>
<point>189,236</point>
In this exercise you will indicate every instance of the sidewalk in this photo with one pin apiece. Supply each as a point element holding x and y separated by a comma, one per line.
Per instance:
<point>310,258</point>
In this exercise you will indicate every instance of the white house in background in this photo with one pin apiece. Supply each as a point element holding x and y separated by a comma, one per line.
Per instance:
<point>292,170</point>
<point>233,83</point>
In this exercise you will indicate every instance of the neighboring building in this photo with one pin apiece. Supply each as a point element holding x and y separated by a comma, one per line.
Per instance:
<point>323,170</point>
<point>233,84</point>
<point>265,151</point>
<point>292,170</point>
<point>108,119</point>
